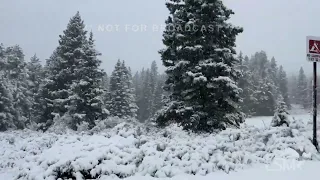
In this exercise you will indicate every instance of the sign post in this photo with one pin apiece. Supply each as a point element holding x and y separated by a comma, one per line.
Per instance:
<point>313,55</point>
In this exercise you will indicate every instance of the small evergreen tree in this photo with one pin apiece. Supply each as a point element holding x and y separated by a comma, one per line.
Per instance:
<point>281,115</point>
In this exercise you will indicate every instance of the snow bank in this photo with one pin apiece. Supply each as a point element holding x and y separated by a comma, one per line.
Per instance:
<point>127,150</point>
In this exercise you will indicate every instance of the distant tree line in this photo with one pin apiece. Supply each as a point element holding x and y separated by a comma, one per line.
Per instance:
<point>263,82</point>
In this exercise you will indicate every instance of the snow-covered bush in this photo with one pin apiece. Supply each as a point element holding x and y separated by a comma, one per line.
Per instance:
<point>61,125</point>
<point>111,122</point>
<point>130,149</point>
<point>83,126</point>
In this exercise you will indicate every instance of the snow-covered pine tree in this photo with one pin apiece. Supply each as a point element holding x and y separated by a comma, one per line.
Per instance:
<point>147,92</point>
<point>156,83</point>
<point>117,91</point>
<point>7,111</point>
<point>16,74</point>
<point>283,86</point>
<point>273,70</point>
<point>45,96</point>
<point>122,103</point>
<point>265,100</point>
<point>87,104</point>
<point>293,88</point>
<point>69,56</point>
<point>130,98</point>
<point>245,83</point>
<point>74,84</point>
<point>157,102</point>
<point>106,86</point>
<point>105,81</point>
<point>153,75</point>
<point>264,94</point>
<point>281,115</point>
<point>35,73</point>
<point>35,78</point>
<point>140,99</point>
<point>302,93</point>
<point>136,84</point>
<point>200,62</point>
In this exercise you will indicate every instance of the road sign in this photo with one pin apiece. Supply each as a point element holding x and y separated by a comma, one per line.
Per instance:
<point>313,54</point>
<point>313,48</point>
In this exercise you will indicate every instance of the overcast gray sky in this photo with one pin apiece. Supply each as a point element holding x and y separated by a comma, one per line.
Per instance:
<point>277,26</point>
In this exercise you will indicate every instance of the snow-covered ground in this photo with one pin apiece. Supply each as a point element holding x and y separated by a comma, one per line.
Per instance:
<point>298,171</point>
<point>132,153</point>
<point>264,121</point>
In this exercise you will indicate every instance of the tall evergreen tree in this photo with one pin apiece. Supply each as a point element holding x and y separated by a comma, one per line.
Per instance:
<point>122,103</point>
<point>147,91</point>
<point>302,89</point>
<point>201,73</point>
<point>283,85</point>
<point>310,92</point>
<point>157,101</point>
<point>16,73</point>
<point>264,88</point>
<point>87,102</point>
<point>140,99</point>
<point>73,86</point>
<point>7,111</point>
<point>117,91</point>
<point>156,84</point>
<point>35,78</point>
<point>46,97</point>
<point>293,84</point>
<point>153,76</point>
<point>105,81</point>
<point>69,55</point>
<point>245,83</point>
<point>273,70</point>
<point>130,98</point>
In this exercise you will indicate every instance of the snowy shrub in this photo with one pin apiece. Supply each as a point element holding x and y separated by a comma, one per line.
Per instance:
<point>33,126</point>
<point>61,124</point>
<point>108,123</point>
<point>128,149</point>
<point>83,126</point>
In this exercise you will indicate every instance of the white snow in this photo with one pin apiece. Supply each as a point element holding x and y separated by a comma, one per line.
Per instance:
<point>138,152</point>
<point>292,170</point>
